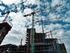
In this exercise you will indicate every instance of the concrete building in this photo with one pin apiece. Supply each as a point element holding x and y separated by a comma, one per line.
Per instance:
<point>4,28</point>
<point>40,45</point>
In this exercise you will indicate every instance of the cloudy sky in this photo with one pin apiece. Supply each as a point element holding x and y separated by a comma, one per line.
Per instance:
<point>54,13</point>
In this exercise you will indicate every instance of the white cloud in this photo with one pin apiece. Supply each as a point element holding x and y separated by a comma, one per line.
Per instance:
<point>53,26</point>
<point>31,2</point>
<point>10,1</point>
<point>67,19</point>
<point>18,30</point>
<point>66,39</point>
<point>38,28</point>
<point>56,2</point>
<point>18,27</point>
<point>56,29</point>
<point>27,11</point>
<point>59,33</point>
<point>53,17</point>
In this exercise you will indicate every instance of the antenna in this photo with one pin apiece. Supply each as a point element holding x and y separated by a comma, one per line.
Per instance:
<point>6,16</point>
<point>21,42</point>
<point>42,25</point>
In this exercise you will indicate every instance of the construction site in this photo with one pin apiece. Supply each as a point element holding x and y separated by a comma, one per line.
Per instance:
<point>35,42</point>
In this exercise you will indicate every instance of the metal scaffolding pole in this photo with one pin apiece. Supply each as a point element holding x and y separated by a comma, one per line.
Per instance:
<point>33,33</point>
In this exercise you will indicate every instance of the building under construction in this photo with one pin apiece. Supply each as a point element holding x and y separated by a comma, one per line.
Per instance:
<point>35,42</point>
<point>42,44</point>
<point>4,28</point>
<point>39,45</point>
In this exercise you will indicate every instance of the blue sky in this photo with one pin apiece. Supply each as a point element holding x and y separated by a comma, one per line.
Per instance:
<point>55,15</point>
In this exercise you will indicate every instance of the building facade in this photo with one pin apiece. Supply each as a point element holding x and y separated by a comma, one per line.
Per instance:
<point>4,28</point>
<point>40,45</point>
